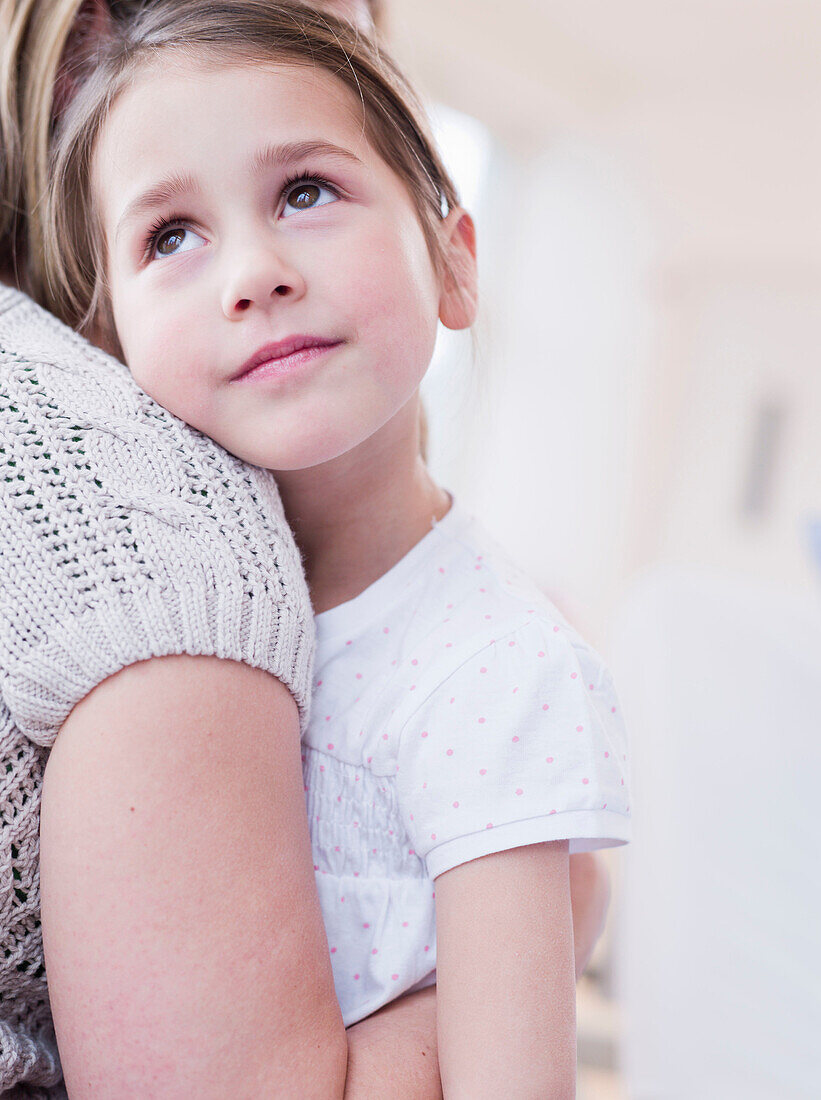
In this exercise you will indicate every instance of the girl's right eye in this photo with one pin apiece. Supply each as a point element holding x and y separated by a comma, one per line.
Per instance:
<point>170,241</point>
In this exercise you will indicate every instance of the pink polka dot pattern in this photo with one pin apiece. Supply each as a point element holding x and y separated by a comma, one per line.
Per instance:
<point>423,728</point>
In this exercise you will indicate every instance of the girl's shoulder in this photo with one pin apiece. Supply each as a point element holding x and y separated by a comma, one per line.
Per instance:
<point>489,594</point>
<point>470,603</point>
<point>510,730</point>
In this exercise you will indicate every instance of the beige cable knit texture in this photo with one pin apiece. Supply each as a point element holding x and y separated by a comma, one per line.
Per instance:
<point>124,534</point>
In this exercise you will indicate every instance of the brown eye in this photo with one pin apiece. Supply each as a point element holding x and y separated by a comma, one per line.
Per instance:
<point>173,241</point>
<point>169,242</point>
<point>304,196</point>
<point>307,194</point>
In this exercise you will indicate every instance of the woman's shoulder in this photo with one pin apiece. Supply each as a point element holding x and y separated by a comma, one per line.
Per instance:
<point>76,427</point>
<point>125,533</point>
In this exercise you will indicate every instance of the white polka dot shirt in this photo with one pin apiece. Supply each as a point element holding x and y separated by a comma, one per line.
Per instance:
<point>455,713</point>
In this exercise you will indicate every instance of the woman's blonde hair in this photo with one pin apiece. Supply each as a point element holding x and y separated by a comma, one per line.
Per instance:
<point>33,36</point>
<point>72,281</point>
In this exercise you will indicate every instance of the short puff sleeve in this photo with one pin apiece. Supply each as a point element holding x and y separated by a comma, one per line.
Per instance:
<point>522,743</point>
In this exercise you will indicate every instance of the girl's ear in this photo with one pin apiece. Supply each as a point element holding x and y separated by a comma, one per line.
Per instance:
<point>92,24</point>
<point>457,303</point>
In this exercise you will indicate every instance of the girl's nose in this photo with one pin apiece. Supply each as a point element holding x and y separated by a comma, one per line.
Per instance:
<point>257,279</point>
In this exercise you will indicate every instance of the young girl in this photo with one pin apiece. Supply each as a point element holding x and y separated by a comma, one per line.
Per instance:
<point>248,208</point>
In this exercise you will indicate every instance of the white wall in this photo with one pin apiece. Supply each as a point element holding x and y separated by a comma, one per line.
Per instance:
<point>538,434</point>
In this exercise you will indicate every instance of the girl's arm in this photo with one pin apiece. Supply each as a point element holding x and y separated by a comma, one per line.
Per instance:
<point>505,968</point>
<point>397,1046</point>
<point>184,943</point>
<point>590,898</point>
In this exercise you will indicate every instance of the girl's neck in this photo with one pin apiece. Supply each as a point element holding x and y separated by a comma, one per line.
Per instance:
<point>355,517</point>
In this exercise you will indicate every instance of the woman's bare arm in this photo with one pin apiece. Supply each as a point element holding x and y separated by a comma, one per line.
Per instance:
<point>393,1052</point>
<point>184,942</point>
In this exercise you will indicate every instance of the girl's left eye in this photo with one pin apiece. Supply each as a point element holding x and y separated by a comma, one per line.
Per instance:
<point>306,194</point>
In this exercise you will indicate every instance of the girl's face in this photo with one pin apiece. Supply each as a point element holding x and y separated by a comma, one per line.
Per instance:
<point>247,219</point>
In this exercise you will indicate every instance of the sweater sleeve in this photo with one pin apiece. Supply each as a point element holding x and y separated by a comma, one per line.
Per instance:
<point>126,534</point>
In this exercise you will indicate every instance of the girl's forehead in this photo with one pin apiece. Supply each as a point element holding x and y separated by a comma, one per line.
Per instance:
<point>196,115</point>
<point>205,91</point>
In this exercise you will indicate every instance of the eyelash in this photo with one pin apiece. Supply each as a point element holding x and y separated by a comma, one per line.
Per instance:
<point>179,221</point>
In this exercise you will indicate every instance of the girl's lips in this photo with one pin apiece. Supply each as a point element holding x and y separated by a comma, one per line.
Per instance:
<point>283,356</point>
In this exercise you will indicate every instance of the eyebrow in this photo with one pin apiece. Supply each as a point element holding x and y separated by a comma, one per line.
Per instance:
<point>175,187</point>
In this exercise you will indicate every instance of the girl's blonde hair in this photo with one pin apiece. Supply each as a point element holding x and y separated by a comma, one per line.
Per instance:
<point>72,280</point>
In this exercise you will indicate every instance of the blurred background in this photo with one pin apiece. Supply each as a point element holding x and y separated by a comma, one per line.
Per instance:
<point>640,425</point>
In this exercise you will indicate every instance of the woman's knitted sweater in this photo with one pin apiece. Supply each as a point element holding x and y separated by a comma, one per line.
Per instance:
<point>124,534</point>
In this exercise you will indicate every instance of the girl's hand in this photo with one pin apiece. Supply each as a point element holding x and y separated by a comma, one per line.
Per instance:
<point>393,1053</point>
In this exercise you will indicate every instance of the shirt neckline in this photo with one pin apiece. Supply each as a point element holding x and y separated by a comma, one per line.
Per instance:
<point>379,597</point>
